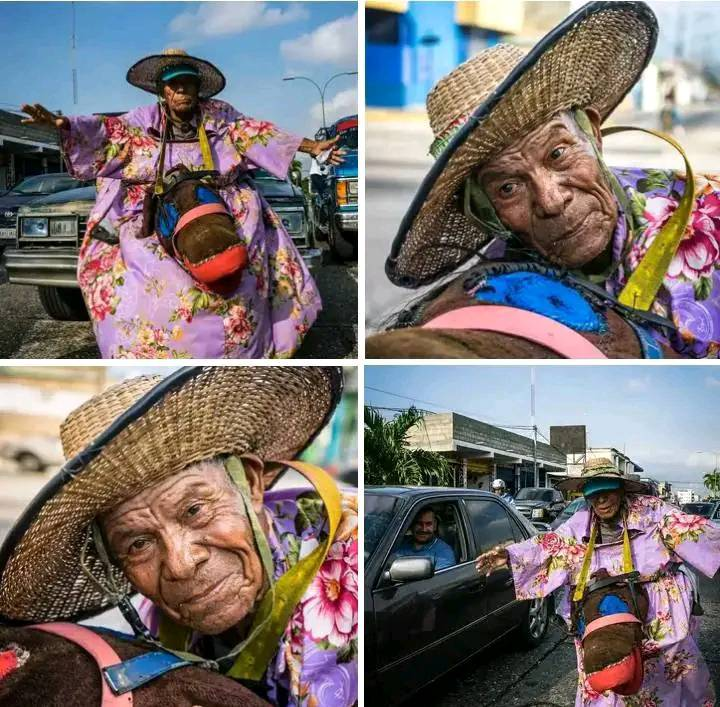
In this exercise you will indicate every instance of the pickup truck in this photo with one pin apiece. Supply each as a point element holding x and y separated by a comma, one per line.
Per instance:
<point>50,231</point>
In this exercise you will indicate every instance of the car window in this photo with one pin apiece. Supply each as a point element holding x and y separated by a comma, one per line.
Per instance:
<point>490,524</point>
<point>53,185</point>
<point>379,511</point>
<point>446,542</point>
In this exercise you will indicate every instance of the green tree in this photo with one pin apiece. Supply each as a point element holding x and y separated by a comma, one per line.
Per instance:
<point>390,460</point>
<point>712,482</point>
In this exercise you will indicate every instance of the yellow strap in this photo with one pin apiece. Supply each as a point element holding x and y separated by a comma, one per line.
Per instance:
<point>205,147</point>
<point>585,570</point>
<point>290,588</point>
<point>643,284</point>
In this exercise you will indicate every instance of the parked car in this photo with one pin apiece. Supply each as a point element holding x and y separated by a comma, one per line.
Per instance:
<point>51,229</point>
<point>421,622</point>
<point>27,191</point>
<point>32,453</point>
<point>706,509</point>
<point>573,507</point>
<point>540,504</point>
<point>336,209</point>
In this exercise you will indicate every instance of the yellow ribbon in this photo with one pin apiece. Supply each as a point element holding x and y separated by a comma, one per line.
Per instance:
<point>276,607</point>
<point>585,570</point>
<point>643,284</point>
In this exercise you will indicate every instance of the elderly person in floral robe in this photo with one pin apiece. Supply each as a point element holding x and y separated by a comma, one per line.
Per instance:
<point>169,502</point>
<point>142,304</point>
<point>615,256</point>
<point>661,539</point>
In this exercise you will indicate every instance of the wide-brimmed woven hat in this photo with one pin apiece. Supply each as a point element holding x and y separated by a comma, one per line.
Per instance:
<point>145,73</point>
<point>592,59</point>
<point>601,468</point>
<point>128,438</point>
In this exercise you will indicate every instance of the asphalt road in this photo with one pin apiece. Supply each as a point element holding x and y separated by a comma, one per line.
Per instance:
<point>26,331</point>
<point>547,676</point>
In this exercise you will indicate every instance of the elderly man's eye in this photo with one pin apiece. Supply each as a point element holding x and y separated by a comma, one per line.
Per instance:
<point>194,509</point>
<point>557,153</point>
<point>507,189</point>
<point>139,545</point>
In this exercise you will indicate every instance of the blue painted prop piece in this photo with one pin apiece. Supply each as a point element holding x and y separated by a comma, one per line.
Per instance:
<point>167,220</point>
<point>206,196</point>
<point>612,604</point>
<point>543,295</point>
<point>135,672</point>
<point>650,347</point>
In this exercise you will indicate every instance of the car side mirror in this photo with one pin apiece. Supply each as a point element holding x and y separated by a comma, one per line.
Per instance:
<point>410,569</point>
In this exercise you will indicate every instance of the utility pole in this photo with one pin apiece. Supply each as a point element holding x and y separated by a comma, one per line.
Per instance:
<point>536,479</point>
<point>72,57</point>
<point>322,90</point>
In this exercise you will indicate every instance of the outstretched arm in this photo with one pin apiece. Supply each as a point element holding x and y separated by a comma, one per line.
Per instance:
<point>40,115</point>
<point>317,147</point>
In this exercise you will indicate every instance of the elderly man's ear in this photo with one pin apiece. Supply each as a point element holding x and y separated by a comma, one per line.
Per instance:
<point>259,476</point>
<point>595,121</point>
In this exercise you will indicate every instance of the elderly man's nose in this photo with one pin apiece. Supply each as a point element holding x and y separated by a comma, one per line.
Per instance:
<point>181,559</point>
<point>550,198</point>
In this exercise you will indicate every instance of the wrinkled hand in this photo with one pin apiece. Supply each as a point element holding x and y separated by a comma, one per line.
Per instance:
<point>40,115</point>
<point>492,560</point>
<point>336,156</point>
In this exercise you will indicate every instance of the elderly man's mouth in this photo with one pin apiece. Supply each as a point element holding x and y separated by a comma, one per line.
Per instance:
<point>207,593</point>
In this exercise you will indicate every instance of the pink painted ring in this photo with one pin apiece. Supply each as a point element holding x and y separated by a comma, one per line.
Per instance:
<point>610,620</point>
<point>196,212</point>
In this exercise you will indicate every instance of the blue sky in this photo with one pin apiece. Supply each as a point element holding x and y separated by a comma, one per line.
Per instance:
<point>255,44</point>
<point>660,415</point>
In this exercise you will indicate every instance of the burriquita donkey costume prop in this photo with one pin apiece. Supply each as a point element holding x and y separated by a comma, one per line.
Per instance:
<point>617,570</point>
<point>569,261</point>
<point>226,591</point>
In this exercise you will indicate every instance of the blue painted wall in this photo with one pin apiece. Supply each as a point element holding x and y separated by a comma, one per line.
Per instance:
<point>400,75</point>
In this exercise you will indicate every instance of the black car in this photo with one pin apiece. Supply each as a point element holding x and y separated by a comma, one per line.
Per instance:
<point>539,504</point>
<point>27,191</point>
<point>420,622</point>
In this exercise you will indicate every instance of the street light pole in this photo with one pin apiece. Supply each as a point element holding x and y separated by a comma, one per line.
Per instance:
<point>322,90</point>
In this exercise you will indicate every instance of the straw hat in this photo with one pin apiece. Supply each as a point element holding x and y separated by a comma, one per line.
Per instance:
<point>145,73</point>
<point>128,438</point>
<point>592,59</point>
<point>601,468</point>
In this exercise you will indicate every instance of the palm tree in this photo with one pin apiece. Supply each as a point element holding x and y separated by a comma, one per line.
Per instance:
<point>390,460</point>
<point>712,482</point>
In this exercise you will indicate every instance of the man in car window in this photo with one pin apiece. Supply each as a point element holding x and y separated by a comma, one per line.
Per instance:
<point>425,543</point>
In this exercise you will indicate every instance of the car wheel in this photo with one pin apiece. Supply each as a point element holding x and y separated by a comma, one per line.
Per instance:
<point>63,303</point>
<point>535,625</point>
<point>27,461</point>
<point>342,248</point>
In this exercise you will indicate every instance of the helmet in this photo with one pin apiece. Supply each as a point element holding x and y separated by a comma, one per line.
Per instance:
<point>498,484</point>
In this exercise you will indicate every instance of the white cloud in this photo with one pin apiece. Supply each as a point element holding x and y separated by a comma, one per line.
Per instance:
<point>638,385</point>
<point>333,43</point>
<point>712,382</point>
<point>214,19</point>
<point>343,103</point>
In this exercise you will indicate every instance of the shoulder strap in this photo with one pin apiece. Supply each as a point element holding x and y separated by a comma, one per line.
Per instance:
<point>519,322</point>
<point>643,284</point>
<point>103,653</point>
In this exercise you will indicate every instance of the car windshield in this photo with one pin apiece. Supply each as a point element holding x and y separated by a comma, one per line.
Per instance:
<point>698,509</point>
<point>262,174</point>
<point>44,184</point>
<point>534,495</point>
<point>379,511</point>
<point>574,507</point>
<point>349,139</point>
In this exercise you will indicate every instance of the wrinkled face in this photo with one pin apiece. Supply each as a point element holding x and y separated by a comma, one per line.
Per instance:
<point>424,527</point>
<point>606,504</point>
<point>548,189</point>
<point>187,545</point>
<point>181,94</point>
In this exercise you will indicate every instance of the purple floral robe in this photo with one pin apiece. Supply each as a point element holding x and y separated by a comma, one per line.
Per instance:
<point>690,295</point>
<point>316,663</point>
<point>141,302</point>
<point>661,537</point>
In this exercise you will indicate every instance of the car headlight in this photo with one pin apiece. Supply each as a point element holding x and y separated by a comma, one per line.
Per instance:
<point>64,227</point>
<point>292,220</point>
<point>353,187</point>
<point>538,513</point>
<point>33,227</point>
